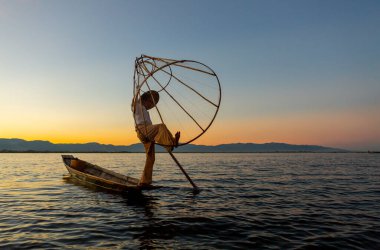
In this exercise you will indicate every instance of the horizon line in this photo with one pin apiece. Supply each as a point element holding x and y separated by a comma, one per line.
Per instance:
<point>272,142</point>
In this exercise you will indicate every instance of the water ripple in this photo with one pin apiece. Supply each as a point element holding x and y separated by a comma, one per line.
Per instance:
<point>248,201</point>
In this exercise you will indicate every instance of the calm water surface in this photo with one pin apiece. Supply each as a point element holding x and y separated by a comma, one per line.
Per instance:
<point>269,201</point>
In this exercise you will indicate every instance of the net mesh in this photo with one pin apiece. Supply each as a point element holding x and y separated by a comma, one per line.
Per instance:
<point>189,94</point>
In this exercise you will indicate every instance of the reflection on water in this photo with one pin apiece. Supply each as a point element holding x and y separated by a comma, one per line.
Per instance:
<point>247,201</point>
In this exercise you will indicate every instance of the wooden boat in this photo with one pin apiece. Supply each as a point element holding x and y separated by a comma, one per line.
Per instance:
<point>90,174</point>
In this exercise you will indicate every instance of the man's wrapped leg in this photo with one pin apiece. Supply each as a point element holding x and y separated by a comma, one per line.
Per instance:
<point>146,178</point>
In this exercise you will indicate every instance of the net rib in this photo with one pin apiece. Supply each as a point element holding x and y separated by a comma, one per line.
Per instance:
<point>179,104</point>
<point>165,60</point>
<point>189,87</point>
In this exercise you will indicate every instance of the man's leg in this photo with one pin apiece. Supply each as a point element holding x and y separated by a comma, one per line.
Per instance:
<point>164,137</point>
<point>146,178</point>
<point>161,135</point>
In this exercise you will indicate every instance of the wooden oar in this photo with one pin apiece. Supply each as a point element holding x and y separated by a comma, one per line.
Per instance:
<point>195,188</point>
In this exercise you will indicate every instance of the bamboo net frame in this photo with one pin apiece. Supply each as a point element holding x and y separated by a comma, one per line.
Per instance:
<point>147,67</point>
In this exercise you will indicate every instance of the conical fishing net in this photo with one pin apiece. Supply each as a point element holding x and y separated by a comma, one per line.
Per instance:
<point>189,94</point>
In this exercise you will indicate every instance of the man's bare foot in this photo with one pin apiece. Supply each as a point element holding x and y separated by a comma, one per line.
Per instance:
<point>176,138</point>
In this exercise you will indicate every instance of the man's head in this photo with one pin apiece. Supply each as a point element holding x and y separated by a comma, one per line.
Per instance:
<point>150,98</point>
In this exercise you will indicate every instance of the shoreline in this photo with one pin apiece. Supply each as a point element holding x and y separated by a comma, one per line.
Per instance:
<point>127,152</point>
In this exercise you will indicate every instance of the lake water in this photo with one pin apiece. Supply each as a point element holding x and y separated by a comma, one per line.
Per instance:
<point>248,201</point>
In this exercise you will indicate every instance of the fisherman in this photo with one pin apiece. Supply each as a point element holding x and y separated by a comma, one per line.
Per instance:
<point>150,134</point>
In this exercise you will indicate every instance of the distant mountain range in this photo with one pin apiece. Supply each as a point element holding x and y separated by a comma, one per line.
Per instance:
<point>19,145</point>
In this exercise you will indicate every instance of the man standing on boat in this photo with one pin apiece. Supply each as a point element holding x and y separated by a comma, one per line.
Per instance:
<point>150,134</point>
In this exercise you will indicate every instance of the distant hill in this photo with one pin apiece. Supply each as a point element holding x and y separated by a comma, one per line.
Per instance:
<point>19,145</point>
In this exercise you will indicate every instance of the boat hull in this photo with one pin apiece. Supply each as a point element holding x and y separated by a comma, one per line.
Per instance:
<point>95,176</point>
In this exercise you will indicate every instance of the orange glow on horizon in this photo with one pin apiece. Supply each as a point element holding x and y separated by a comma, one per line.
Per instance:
<point>115,137</point>
<point>344,129</point>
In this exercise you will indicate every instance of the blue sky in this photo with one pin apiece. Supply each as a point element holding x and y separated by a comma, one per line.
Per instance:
<point>285,66</point>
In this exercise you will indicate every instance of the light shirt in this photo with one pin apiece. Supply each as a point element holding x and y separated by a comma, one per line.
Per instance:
<point>142,116</point>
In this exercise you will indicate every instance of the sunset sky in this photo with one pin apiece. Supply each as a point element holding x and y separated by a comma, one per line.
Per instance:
<point>299,72</point>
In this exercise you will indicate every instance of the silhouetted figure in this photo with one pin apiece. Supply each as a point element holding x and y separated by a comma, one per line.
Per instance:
<point>150,133</point>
